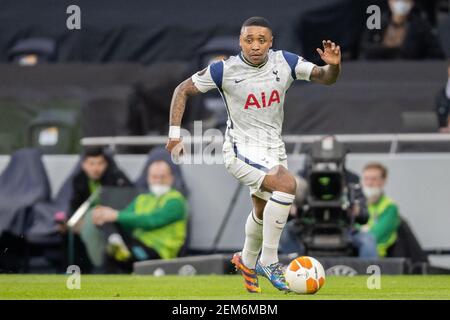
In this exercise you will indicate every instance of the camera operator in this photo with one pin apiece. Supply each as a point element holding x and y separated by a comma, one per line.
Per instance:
<point>350,207</point>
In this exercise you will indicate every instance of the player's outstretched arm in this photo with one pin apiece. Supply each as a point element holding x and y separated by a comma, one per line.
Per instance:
<point>331,55</point>
<point>181,94</point>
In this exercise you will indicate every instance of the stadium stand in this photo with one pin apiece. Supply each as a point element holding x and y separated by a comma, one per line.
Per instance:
<point>375,94</point>
<point>24,183</point>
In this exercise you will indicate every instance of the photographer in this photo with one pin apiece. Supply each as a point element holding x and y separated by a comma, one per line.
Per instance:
<point>329,204</point>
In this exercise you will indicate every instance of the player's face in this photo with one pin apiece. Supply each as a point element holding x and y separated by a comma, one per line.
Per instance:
<point>255,42</point>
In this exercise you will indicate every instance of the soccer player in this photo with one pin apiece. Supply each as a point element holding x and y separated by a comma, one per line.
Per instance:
<point>253,85</point>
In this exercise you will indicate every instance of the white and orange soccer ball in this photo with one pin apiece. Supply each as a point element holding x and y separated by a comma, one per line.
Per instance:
<point>305,275</point>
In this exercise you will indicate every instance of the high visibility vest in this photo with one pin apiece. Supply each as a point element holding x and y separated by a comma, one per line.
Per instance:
<point>167,240</point>
<point>375,211</point>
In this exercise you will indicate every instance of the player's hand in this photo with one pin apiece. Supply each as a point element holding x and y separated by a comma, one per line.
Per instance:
<point>331,53</point>
<point>175,147</point>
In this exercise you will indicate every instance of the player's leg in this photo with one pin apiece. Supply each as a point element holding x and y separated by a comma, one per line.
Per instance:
<point>258,206</point>
<point>253,233</point>
<point>245,261</point>
<point>250,174</point>
<point>281,183</point>
<point>251,169</point>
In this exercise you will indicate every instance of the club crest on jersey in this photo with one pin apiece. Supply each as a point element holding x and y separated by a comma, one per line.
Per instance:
<point>263,102</point>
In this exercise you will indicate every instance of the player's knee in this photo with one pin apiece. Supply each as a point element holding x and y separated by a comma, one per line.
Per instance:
<point>290,184</point>
<point>286,181</point>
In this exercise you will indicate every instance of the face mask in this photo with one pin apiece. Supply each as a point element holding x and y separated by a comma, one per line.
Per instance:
<point>372,193</point>
<point>401,8</point>
<point>159,189</point>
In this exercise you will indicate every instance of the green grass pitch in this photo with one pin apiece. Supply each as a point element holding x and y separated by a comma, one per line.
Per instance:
<point>214,287</point>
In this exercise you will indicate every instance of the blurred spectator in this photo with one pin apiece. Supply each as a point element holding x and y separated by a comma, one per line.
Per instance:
<point>404,34</point>
<point>32,51</point>
<point>153,226</point>
<point>384,218</point>
<point>430,9</point>
<point>443,106</point>
<point>97,169</point>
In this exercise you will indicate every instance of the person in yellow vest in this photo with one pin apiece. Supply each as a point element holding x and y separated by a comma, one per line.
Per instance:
<point>384,218</point>
<point>152,226</point>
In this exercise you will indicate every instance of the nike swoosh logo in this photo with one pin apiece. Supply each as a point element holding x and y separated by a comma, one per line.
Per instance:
<point>276,221</point>
<point>237,81</point>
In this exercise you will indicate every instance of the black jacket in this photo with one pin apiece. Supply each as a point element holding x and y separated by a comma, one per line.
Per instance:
<point>113,176</point>
<point>420,42</point>
<point>442,108</point>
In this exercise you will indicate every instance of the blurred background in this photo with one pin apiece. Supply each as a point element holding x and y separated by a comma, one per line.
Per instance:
<point>110,83</point>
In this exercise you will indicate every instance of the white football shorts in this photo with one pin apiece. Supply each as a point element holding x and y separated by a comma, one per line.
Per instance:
<point>249,165</point>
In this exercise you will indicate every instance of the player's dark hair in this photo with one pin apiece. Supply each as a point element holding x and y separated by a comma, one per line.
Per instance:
<point>93,152</point>
<point>258,22</point>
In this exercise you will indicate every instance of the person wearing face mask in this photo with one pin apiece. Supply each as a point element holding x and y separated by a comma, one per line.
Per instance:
<point>443,106</point>
<point>384,218</point>
<point>152,226</point>
<point>404,34</point>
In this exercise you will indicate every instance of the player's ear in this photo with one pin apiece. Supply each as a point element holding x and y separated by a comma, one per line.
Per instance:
<point>271,42</point>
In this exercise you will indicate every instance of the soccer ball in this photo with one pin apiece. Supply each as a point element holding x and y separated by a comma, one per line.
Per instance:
<point>305,275</point>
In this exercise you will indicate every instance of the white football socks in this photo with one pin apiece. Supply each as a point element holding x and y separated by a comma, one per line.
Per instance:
<point>275,216</point>
<point>253,240</point>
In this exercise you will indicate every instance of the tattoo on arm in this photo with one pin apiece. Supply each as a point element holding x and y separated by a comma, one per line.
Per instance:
<point>317,73</point>
<point>180,95</point>
<point>325,75</point>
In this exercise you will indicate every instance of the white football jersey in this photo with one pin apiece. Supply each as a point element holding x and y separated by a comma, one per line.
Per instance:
<point>254,95</point>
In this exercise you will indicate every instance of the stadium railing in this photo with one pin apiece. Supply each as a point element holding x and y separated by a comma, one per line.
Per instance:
<point>290,140</point>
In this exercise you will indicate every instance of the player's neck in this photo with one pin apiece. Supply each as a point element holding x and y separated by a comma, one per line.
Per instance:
<point>246,61</point>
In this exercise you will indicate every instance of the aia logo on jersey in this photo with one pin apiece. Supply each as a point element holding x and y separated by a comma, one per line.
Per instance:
<point>263,102</point>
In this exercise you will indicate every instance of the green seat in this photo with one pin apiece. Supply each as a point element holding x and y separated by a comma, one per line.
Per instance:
<point>51,124</point>
<point>55,132</point>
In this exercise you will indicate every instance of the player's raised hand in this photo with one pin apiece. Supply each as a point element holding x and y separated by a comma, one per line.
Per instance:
<point>175,147</point>
<point>331,53</point>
